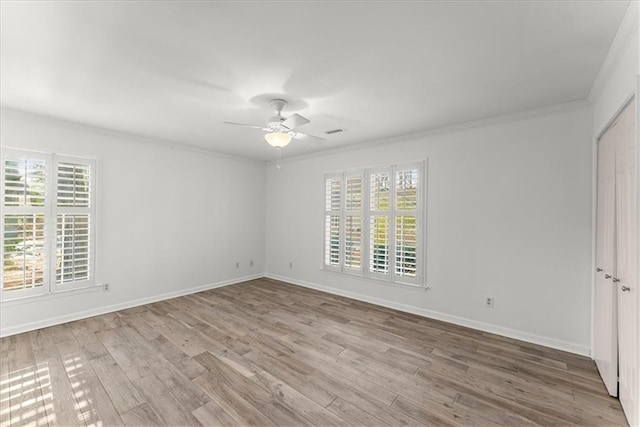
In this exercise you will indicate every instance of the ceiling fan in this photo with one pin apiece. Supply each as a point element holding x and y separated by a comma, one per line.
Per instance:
<point>281,130</point>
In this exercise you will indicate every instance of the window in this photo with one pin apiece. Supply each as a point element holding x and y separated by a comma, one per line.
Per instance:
<point>373,223</point>
<point>48,223</point>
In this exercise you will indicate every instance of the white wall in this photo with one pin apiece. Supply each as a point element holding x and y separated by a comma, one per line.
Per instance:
<point>508,215</point>
<point>171,220</point>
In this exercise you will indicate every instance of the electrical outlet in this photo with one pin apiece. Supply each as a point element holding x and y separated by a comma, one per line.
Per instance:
<point>237,265</point>
<point>488,301</point>
<point>105,287</point>
<point>251,263</point>
<point>290,265</point>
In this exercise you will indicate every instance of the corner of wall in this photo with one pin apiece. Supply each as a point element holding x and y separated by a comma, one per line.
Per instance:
<point>624,36</point>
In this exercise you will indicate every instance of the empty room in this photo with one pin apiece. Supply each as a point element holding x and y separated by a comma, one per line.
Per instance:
<point>354,213</point>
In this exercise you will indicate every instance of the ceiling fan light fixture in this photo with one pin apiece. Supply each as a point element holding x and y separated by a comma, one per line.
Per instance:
<point>278,139</point>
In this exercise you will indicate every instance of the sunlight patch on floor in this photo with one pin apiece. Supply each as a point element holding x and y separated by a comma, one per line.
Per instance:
<point>26,398</point>
<point>85,405</point>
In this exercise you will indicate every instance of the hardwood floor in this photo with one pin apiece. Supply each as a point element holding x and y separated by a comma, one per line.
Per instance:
<point>266,353</point>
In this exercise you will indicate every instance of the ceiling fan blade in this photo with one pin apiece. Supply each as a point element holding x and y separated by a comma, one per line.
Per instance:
<point>295,121</point>
<point>308,138</point>
<point>245,125</point>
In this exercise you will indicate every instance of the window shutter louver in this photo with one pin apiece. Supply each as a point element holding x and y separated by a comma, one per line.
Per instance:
<point>24,182</point>
<point>334,189</point>
<point>24,251</point>
<point>407,190</point>
<point>72,251</point>
<point>73,185</point>
<point>406,245</point>
<point>379,244</point>
<point>380,192</point>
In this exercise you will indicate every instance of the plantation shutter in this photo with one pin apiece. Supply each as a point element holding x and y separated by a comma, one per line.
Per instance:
<point>406,219</point>
<point>374,223</point>
<point>353,223</point>
<point>379,218</point>
<point>74,221</point>
<point>24,205</point>
<point>333,206</point>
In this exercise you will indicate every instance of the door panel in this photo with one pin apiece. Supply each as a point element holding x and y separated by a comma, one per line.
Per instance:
<point>626,262</point>
<point>605,351</point>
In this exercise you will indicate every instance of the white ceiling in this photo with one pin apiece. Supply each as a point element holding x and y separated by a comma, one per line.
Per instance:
<point>176,70</point>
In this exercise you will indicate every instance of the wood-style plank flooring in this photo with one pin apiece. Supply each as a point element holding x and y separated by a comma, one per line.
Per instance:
<point>268,353</point>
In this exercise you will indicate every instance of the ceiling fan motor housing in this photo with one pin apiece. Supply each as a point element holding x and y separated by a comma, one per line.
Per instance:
<point>275,123</point>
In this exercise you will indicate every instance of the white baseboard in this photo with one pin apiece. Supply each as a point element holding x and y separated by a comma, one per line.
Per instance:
<point>456,320</point>
<point>26,327</point>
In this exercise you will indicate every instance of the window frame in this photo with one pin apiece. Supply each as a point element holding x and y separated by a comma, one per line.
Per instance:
<point>50,210</point>
<point>391,277</point>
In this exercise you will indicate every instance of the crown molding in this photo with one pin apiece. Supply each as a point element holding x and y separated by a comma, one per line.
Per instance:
<point>496,120</point>
<point>621,42</point>
<point>127,135</point>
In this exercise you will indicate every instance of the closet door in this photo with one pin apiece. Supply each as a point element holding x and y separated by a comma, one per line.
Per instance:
<point>605,349</point>
<point>625,277</point>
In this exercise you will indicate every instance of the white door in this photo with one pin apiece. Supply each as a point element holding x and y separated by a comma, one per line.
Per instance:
<point>605,349</point>
<point>625,276</point>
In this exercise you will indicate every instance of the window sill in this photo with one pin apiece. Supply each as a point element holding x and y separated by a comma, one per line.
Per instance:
<point>50,296</point>
<point>413,286</point>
